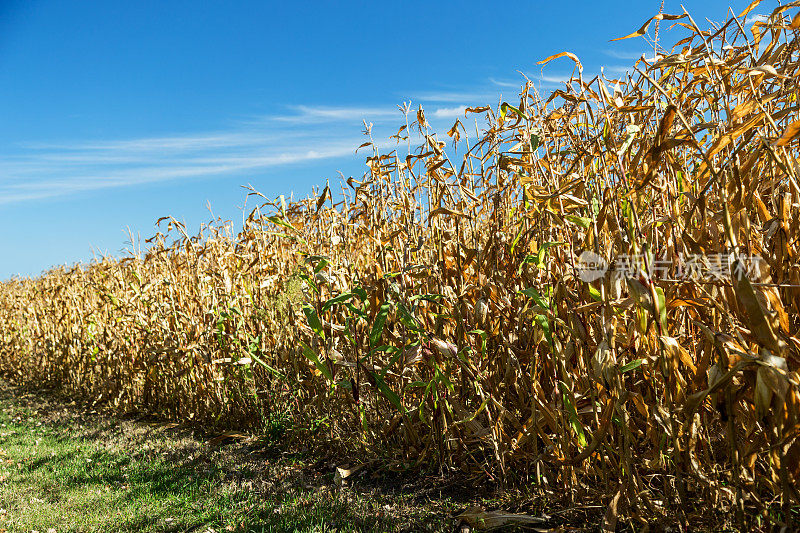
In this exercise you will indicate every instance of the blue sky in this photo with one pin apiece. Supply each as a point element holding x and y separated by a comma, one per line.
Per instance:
<point>116,113</point>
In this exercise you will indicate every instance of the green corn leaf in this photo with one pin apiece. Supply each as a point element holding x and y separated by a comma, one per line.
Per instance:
<point>545,324</point>
<point>631,366</point>
<point>281,222</point>
<point>321,264</point>
<point>312,356</point>
<point>583,222</point>
<point>595,294</point>
<point>505,107</point>
<point>535,140</point>
<point>397,354</point>
<point>538,298</point>
<point>313,320</point>
<point>377,326</point>
<point>434,298</point>
<point>516,240</point>
<point>337,300</point>
<point>388,393</point>
<point>270,369</point>
<point>444,379</point>
<point>540,256</point>
<point>574,421</point>
<point>542,252</point>
<point>358,313</point>
<point>361,293</point>
<point>311,283</point>
<point>406,318</point>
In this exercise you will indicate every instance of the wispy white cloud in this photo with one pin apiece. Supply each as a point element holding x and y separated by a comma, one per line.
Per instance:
<point>99,178</point>
<point>649,55</point>
<point>315,114</point>
<point>449,112</point>
<point>476,98</point>
<point>623,54</point>
<point>163,144</point>
<point>503,83</point>
<point>39,170</point>
<point>94,177</point>
<point>752,19</point>
<point>550,78</point>
<point>298,134</point>
<point>617,69</point>
<point>304,134</point>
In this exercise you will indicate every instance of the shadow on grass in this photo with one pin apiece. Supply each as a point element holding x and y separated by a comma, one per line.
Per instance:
<point>189,491</point>
<point>78,470</point>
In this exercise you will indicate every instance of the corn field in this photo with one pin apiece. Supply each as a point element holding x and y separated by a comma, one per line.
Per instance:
<point>439,312</point>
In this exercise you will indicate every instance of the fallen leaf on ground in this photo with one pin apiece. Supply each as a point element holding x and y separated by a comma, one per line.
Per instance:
<point>480,519</point>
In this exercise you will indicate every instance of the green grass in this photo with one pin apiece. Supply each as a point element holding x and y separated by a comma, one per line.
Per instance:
<point>64,469</point>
